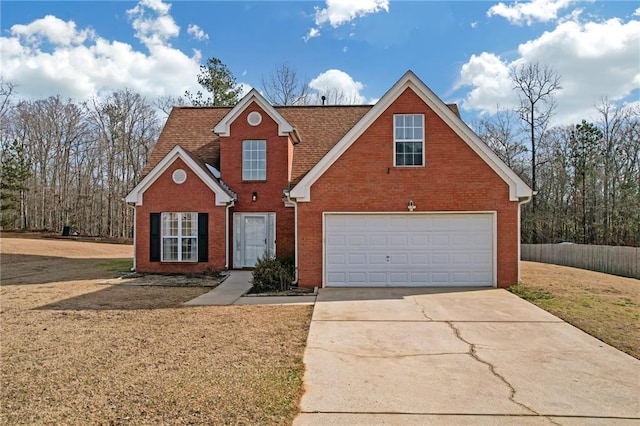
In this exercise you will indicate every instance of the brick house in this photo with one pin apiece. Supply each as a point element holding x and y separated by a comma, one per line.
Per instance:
<point>401,193</point>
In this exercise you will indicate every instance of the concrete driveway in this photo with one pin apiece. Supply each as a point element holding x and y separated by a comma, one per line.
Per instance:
<point>458,357</point>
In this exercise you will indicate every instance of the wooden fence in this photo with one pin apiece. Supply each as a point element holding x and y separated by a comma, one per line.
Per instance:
<point>623,261</point>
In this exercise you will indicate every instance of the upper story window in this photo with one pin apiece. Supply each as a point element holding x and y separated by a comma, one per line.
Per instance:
<point>408,130</point>
<point>254,160</point>
<point>179,237</point>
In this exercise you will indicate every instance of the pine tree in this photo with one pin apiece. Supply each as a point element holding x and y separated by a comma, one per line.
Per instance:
<point>14,173</point>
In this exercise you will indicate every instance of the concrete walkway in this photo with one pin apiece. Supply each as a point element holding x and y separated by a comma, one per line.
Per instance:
<point>458,357</point>
<point>227,293</point>
<point>232,290</point>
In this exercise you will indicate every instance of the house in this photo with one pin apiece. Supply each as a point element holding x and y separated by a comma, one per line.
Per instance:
<point>401,193</point>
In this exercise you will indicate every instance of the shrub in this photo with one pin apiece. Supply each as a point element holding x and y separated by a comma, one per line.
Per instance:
<point>271,274</point>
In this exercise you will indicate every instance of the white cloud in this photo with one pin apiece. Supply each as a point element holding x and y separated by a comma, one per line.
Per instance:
<point>339,87</point>
<point>152,22</point>
<point>313,32</point>
<point>594,60</point>
<point>489,77</point>
<point>197,32</point>
<point>340,12</point>
<point>474,24</point>
<point>637,12</point>
<point>79,64</point>
<point>529,12</point>
<point>54,30</point>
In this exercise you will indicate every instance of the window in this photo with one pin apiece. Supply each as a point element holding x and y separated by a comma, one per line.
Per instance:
<point>409,139</point>
<point>179,237</point>
<point>254,160</point>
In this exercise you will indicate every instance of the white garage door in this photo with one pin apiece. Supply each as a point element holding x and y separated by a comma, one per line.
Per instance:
<point>409,249</point>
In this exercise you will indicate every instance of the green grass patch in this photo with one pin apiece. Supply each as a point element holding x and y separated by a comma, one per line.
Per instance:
<point>115,266</point>
<point>531,294</point>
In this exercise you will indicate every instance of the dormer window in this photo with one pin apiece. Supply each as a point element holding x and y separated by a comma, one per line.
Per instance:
<point>408,130</point>
<point>254,160</point>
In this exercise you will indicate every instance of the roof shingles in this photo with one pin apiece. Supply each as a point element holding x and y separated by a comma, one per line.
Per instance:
<point>319,127</point>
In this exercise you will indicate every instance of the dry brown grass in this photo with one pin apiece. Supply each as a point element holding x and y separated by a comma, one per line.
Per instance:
<point>77,352</point>
<point>605,306</point>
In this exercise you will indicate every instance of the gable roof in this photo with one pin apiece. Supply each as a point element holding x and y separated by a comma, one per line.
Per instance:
<point>197,165</point>
<point>224,126</point>
<point>517,187</point>
<point>189,127</point>
<point>320,127</point>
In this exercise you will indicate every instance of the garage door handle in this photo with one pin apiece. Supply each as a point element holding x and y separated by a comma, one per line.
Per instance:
<point>388,257</point>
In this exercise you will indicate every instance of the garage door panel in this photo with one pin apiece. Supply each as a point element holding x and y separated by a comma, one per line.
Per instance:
<point>357,240</point>
<point>336,259</point>
<point>409,249</point>
<point>376,240</point>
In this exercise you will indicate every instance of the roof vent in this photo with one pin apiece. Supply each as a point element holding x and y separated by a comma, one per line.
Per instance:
<point>254,118</point>
<point>324,98</point>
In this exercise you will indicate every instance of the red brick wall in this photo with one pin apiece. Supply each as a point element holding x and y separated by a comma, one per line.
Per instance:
<point>270,191</point>
<point>364,179</point>
<point>191,196</point>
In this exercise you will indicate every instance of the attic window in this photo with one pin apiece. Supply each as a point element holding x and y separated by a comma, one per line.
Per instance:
<point>254,118</point>
<point>408,135</point>
<point>179,176</point>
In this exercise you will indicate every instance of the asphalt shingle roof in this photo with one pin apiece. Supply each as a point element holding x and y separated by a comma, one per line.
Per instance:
<point>319,127</point>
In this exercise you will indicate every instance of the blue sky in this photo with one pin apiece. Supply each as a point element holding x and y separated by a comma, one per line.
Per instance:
<point>461,49</point>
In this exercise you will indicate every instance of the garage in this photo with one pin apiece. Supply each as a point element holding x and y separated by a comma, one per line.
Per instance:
<point>415,249</point>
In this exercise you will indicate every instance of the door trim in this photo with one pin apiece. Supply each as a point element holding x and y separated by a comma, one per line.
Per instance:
<point>238,236</point>
<point>494,235</point>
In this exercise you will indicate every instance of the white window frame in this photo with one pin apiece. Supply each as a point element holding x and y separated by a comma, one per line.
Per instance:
<point>397,140</point>
<point>251,169</point>
<point>179,237</point>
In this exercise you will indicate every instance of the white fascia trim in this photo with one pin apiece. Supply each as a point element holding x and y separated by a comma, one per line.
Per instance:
<point>517,187</point>
<point>135,196</point>
<point>224,126</point>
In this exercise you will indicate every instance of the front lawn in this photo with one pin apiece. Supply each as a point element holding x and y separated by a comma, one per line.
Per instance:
<point>605,306</point>
<point>74,351</point>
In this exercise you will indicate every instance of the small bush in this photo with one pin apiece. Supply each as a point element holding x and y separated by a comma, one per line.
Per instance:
<point>271,274</point>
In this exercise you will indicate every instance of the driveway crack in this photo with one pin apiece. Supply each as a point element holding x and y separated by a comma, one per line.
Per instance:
<point>474,354</point>
<point>415,300</point>
<point>398,356</point>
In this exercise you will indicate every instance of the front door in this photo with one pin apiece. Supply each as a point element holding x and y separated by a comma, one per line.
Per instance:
<point>254,238</point>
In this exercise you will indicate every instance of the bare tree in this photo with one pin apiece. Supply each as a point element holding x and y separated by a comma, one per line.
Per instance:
<point>166,103</point>
<point>126,127</point>
<point>7,90</point>
<point>283,87</point>
<point>502,136</point>
<point>536,86</point>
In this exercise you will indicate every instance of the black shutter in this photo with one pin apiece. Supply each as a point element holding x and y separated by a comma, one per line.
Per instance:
<point>154,237</point>
<point>203,237</point>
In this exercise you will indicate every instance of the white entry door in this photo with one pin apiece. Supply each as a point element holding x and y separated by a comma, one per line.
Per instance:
<point>409,249</point>
<point>255,238</point>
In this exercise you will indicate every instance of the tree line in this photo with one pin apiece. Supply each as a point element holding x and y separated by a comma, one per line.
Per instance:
<point>586,175</point>
<point>68,163</point>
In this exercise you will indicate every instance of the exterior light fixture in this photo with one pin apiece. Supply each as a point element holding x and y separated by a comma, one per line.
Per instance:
<point>411,206</point>
<point>254,196</point>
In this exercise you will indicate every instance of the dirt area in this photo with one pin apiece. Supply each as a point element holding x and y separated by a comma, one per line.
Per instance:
<point>75,351</point>
<point>605,306</point>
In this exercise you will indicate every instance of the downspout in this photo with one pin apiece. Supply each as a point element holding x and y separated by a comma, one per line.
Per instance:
<point>521,201</point>
<point>133,267</point>
<point>295,235</point>
<point>226,232</point>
